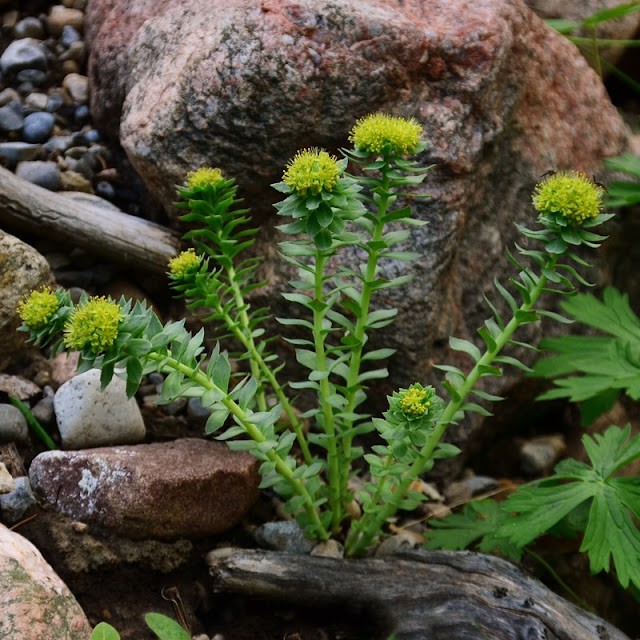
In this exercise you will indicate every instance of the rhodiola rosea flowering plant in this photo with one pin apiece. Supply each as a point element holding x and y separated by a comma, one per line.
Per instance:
<point>325,210</point>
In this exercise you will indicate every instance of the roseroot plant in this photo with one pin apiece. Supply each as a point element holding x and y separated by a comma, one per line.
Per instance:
<point>326,211</point>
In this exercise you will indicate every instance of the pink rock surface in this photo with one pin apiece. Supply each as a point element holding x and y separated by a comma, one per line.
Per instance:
<point>188,488</point>
<point>35,603</point>
<point>243,84</point>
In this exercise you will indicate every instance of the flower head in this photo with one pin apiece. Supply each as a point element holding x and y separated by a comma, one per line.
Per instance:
<point>183,262</point>
<point>93,324</point>
<point>568,198</point>
<point>376,132</point>
<point>416,406</point>
<point>312,170</point>
<point>203,177</point>
<point>37,308</point>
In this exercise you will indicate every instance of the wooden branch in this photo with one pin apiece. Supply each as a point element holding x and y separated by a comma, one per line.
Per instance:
<point>437,595</point>
<point>115,235</point>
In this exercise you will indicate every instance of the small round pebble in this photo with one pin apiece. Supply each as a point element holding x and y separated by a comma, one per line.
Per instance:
<point>60,16</point>
<point>36,77</point>
<point>54,102</point>
<point>13,426</point>
<point>81,114</point>
<point>93,135</point>
<point>196,411</point>
<point>26,53</point>
<point>69,36</point>
<point>38,127</point>
<point>283,536</point>
<point>105,190</point>
<point>10,118</point>
<point>14,152</point>
<point>29,27</point>
<point>8,95</point>
<point>78,87</point>
<point>15,505</point>
<point>44,174</point>
<point>37,101</point>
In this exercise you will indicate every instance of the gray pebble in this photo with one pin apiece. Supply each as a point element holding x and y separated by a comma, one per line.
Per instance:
<point>13,426</point>
<point>81,114</point>
<point>44,174</point>
<point>538,456</point>
<point>43,411</point>
<point>283,536</point>
<point>58,144</point>
<point>196,411</point>
<point>8,95</point>
<point>33,77</point>
<point>26,53</point>
<point>10,118</point>
<point>54,102</point>
<point>29,27</point>
<point>175,407</point>
<point>105,190</point>
<point>76,152</point>
<point>15,505</point>
<point>93,135</point>
<point>37,127</point>
<point>155,378</point>
<point>69,36</point>
<point>14,152</point>
<point>76,52</point>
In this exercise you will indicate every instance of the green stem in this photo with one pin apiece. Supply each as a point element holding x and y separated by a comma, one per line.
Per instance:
<point>370,526</point>
<point>558,579</point>
<point>246,330</point>
<point>360,330</point>
<point>329,426</point>
<point>252,431</point>
<point>33,422</point>
<point>256,357</point>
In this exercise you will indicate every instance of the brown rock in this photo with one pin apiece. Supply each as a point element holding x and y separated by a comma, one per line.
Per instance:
<point>64,366</point>
<point>22,269</point>
<point>59,17</point>
<point>188,488</point>
<point>35,601</point>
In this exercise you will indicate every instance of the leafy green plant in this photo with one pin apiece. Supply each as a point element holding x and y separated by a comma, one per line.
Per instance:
<point>627,193</point>
<point>328,211</point>
<point>578,499</point>
<point>591,45</point>
<point>604,366</point>
<point>164,627</point>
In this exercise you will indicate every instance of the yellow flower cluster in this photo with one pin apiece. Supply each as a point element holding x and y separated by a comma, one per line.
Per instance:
<point>571,195</point>
<point>183,262</point>
<point>312,170</point>
<point>93,324</point>
<point>378,131</point>
<point>203,176</point>
<point>37,308</point>
<point>414,403</point>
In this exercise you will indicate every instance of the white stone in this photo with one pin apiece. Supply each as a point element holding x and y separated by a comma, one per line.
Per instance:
<point>88,417</point>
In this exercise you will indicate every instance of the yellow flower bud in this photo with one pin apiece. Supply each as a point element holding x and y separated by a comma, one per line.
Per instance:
<point>203,176</point>
<point>183,262</point>
<point>312,170</point>
<point>378,131</point>
<point>37,308</point>
<point>93,324</point>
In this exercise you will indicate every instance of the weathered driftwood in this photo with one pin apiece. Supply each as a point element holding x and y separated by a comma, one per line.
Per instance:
<point>420,595</point>
<point>115,235</point>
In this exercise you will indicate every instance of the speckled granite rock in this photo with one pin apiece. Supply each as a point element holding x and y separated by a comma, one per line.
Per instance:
<point>35,603</point>
<point>22,269</point>
<point>188,488</point>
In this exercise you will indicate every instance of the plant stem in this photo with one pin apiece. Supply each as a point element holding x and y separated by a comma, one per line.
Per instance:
<point>252,431</point>
<point>360,328</point>
<point>246,330</point>
<point>329,426</point>
<point>371,525</point>
<point>33,422</point>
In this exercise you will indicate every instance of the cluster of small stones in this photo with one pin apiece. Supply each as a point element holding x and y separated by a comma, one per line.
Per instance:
<point>46,136</point>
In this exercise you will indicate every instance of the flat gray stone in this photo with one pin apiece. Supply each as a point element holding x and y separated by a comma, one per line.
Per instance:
<point>26,53</point>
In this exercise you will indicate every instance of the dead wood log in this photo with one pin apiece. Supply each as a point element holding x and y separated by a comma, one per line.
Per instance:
<point>419,595</point>
<point>117,236</point>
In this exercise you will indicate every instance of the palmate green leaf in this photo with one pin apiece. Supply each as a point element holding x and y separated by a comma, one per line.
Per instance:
<point>610,532</point>
<point>477,524</point>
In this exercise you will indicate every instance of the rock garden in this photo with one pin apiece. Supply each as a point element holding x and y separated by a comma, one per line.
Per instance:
<point>316,323</point>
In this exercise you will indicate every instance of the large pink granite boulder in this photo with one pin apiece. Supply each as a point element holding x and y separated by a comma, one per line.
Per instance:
<point>188,488</point>
<point>35,603</point>
<point>243,84</point>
